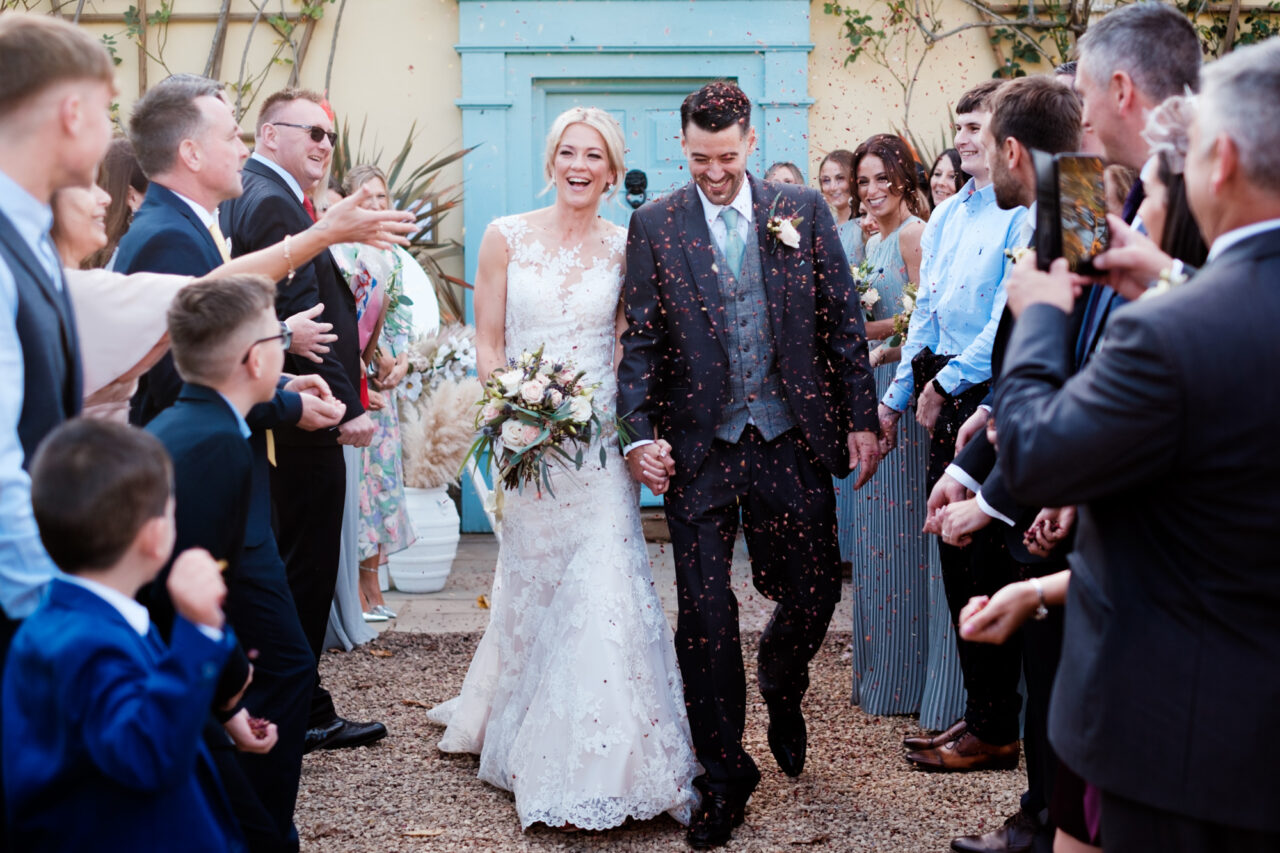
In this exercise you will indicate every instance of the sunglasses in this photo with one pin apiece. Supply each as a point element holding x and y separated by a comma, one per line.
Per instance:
<point>316,132</point>
<point>285,338</point>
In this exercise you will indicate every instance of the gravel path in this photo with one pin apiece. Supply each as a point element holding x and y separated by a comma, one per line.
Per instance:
<point>856,792</point>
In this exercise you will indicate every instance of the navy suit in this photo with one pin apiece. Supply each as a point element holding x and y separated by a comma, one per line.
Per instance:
<point>308,484</point>
<point>102,745</point>
<point>673,382</point>
<point>222,496</point>
<point>165,236</point>
<point>1172,625</point>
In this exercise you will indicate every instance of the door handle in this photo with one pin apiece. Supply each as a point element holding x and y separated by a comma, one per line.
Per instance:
<point>636,183</point>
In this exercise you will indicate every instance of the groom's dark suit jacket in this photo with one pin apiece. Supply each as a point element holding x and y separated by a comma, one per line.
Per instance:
<point>1167,691</point>
<point>673,379</point>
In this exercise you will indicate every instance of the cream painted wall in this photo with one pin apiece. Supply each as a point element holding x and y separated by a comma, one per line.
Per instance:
<point>854,101</point>
<point>395,64</point>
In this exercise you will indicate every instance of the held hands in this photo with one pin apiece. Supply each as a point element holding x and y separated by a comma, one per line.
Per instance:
<point>196,587</point>
<point>994,619</point>
<point>250,734</point>
<point>1132,262</point>
<point>961,520</point>
<point>357,432</point>
<point>1051,526</point>
<point>377,402</point>
<point>864,455</point>
<point>310,339</point>
<point>391,371</point>
<point>652,465</point>
<point>1028,286</point>
<point>348,222</point>
<point>946,491</point>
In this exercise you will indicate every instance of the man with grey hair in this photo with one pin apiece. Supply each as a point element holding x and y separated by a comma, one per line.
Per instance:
<point>1173,615</point>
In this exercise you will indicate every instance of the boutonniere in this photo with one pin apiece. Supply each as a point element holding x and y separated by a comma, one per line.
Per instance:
<point>1017,254</point>
<point>783,228</point>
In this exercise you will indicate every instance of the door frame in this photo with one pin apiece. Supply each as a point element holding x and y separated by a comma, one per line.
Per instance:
<point>514,51</point>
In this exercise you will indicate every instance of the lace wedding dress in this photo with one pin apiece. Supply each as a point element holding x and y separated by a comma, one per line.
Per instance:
<point>574,700</point>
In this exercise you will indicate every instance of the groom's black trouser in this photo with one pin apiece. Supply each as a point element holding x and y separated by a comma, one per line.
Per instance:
<point>787,507</point>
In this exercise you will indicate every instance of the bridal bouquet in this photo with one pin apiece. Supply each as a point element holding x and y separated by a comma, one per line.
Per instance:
<point>902,320</point>
<point>533,411</point>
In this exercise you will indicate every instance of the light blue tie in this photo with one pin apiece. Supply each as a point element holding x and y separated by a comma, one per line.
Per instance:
<point>733,246</point>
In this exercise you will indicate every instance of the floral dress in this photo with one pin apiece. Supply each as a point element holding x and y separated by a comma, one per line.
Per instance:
<point>383,521</point>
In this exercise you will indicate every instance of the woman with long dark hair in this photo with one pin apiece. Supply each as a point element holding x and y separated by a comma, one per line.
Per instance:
<point>946,178</point>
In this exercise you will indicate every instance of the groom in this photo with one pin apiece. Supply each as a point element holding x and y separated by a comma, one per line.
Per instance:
<point>745,384</point>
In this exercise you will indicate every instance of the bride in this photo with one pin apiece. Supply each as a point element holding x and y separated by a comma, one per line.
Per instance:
<point>573,700</point>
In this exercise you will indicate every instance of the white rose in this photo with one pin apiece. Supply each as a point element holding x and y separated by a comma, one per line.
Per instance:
<point>489,413</point>
<point>870,298</point>
<point>517,436</point>
<point>908,304</point>
<point>580,410</point>
<point>510,382</point>
<point>788,235</point>
<point>555,398</point>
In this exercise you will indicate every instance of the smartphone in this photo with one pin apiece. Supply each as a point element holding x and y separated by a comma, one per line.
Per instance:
<point>1071,210</point>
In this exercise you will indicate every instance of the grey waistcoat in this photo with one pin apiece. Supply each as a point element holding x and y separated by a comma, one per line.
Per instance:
<point>755,386</point>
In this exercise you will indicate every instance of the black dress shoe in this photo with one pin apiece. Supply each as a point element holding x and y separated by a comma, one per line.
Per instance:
<point>341,734</point>
<point>788,739</point>
<point>1016,836</point>
<point>713,825</point>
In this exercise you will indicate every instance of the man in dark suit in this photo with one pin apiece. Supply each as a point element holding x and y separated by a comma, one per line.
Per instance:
<point>744,380</point>
<point>1173,611</point>
<point>308,482</point>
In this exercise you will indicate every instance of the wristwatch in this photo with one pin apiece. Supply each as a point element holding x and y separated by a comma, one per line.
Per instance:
<point>937,386</point>
<point>1041,610</point>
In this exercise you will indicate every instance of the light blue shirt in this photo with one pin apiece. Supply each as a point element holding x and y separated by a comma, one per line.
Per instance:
<point>241,423</point>
<point>25,567</point>
<point>961,297</point>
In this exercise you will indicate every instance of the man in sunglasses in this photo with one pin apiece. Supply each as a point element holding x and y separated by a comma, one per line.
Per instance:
<point>293,146</point>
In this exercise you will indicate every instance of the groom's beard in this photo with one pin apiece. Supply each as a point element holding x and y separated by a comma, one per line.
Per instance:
<point>725,192</point>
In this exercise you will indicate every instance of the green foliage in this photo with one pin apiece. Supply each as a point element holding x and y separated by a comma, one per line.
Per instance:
<point>414,188</point>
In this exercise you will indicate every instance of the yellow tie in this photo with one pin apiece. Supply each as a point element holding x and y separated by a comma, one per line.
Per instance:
<point>271,448</point>
<point>219,240</point>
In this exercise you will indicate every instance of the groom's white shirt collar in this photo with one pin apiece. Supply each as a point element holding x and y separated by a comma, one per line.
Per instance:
<point>741,203</point>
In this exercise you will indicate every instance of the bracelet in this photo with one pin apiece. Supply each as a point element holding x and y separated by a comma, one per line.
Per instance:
<point>1041,611</point>
<point>288,259</point>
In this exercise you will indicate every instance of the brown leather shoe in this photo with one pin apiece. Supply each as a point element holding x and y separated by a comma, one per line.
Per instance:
<point>966,753</point>
<point>1016,836</point>
<point>918,742</point>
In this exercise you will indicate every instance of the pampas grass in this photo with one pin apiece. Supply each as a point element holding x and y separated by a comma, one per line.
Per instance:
<point>437,430</point>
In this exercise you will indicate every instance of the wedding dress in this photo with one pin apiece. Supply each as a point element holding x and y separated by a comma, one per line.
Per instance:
<point>574,700</point>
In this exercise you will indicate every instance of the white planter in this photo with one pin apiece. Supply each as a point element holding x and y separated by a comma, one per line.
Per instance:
<point>425,565</point>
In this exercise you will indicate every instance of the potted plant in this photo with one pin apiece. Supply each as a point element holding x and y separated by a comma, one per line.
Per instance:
<point>437,425</point>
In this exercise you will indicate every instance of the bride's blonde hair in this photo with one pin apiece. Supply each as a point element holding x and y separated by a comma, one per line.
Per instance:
<point>602,123</point>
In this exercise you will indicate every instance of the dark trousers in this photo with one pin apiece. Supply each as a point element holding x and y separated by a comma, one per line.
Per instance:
<point>261,832</point>
<point>1132,827</point>
<point>990,672</point>
<point>8,627</point>
<point>1041,648</point>
<point>260,607</point>
<point>787,509</point>
<point>308,490</point>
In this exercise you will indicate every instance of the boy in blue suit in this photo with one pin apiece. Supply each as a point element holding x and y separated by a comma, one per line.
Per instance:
<point>102,720</point>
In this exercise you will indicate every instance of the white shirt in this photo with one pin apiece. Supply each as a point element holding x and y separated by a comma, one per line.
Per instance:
<point>279,170</point>
<point>206,216</point>
<point>133,612</point>
<point>1238,235</point>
